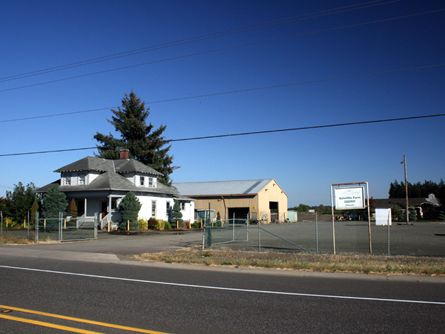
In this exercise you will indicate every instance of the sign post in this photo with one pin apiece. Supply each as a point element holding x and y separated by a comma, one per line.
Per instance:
<point>350,196</point>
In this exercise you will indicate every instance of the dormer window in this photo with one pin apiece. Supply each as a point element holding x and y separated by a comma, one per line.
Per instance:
<point>67,180</point>
<point>150,182</point>
<point>142,180</point>
<point>81,179</point>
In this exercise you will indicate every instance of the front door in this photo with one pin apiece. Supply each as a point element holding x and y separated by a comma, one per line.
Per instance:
<point>104,208</point>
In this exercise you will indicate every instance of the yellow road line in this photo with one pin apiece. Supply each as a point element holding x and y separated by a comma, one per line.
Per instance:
<point>47,324</point>
<point>86,321</point>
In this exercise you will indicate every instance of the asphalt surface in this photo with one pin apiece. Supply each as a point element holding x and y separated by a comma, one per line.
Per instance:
<point>133,295</point>
<point>420,239</point>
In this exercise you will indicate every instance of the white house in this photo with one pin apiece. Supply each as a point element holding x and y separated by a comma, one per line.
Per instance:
<point>98,185</point>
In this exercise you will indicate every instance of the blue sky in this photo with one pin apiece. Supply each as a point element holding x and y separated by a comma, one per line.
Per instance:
<point>348,69</point>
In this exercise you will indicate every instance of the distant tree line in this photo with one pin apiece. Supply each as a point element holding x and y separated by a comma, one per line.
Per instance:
<point>321,209</point>
<point>418,190</point>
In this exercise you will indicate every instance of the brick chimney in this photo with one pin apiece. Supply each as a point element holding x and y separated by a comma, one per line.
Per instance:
<point>124,153</point>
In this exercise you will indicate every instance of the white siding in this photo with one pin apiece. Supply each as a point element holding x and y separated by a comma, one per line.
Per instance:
<point>189,212</point>
<point>161,207</point>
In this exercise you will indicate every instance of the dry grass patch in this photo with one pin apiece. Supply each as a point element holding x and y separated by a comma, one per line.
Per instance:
<point>14,240</point>
<point>308,262</point>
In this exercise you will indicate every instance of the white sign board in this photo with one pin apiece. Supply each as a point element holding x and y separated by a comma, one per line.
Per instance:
<point>349,198</point>
<point>383,217</point>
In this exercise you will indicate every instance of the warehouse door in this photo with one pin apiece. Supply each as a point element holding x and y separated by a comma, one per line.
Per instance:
<point>239,213</point>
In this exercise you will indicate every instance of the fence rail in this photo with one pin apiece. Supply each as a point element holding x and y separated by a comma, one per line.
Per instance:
<point>50,229</point>
<point>313,236</point>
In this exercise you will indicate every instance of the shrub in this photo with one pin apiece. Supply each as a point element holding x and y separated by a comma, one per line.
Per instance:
<point>160,225</point>
<point>9,223</point>
<point>167,226</point>
<point>152,222</point>
<point>196,224</point>
<point>143,225</point>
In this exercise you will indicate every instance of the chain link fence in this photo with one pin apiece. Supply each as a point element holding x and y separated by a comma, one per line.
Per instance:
<point>36,229</point>
<point>316,236</point>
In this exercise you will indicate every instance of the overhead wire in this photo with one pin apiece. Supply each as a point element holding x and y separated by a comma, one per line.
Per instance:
<point>379,72</point>
<point>250,133</point>
<point>199,38</point>
<point>198,53</point>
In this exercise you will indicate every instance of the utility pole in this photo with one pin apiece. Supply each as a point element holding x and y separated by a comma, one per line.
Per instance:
<point>406,188</point>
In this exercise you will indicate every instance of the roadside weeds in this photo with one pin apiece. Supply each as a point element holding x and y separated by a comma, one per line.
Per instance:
<point>346,263</point>
<point>14,241</point>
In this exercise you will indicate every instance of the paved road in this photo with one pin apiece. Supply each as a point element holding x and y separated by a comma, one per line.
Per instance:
<point>212,301</point>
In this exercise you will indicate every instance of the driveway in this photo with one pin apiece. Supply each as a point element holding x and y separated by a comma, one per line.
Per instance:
<point>109,244</point>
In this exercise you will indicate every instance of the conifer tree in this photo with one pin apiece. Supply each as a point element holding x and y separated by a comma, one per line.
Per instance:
<point>129,208</point>
<point>145,143</point>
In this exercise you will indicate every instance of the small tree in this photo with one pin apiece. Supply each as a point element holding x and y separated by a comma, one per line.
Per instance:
<point>54,202</point>
<point>129,208</point>
<point>176,214</point>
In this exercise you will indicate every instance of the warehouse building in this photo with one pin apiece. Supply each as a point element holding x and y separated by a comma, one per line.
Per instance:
<point>260,199</point>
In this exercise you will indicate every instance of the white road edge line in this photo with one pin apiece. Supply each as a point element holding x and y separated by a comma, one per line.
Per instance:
<point>209,287</point>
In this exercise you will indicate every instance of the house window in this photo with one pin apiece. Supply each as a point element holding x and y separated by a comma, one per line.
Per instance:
<point>150,182</point>
<point>168,206</point>
<point>113,203</point>
<point>81,179</point>
<point>153,208</point>
<point>67,181</point>
<point>142,180</point>
<point>182,205</point>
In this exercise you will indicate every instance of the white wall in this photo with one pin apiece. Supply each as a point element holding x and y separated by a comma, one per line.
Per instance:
<point>189,212</point>
<point>161,207</point>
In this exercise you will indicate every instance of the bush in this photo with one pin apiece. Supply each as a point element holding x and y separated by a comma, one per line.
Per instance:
<point>167,226</point>
<point>160,225</point>
<point>152,222</point>
<point>143,225</point>
<point>196,225</point>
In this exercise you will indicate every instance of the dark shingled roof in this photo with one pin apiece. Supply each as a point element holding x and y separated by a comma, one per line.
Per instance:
<point>110,181</point>
<point>105,165</point>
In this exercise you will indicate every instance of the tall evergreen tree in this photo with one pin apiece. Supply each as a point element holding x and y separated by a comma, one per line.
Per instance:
<point>145,143</point>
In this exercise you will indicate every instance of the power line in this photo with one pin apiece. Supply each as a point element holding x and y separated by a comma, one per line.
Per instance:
<point>199,38</point>
<point>189,55</point>
<point>380,72</point>
<point>250,133</point>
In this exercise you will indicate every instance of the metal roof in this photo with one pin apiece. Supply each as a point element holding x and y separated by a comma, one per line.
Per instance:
<point>213,188</point>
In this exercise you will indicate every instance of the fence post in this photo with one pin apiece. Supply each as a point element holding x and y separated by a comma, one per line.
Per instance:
<point>203,227</point>
<point>389,236</point>
<point>1,222</point>
<point>60,226</point>
<point>247,227</point>
<point>36,235</point>
<point>316,230</point>
<point>233,227</point>
<point>259,236</point>
<point>128,226</point>
<point>96,222</point>
<point>29,223</point>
